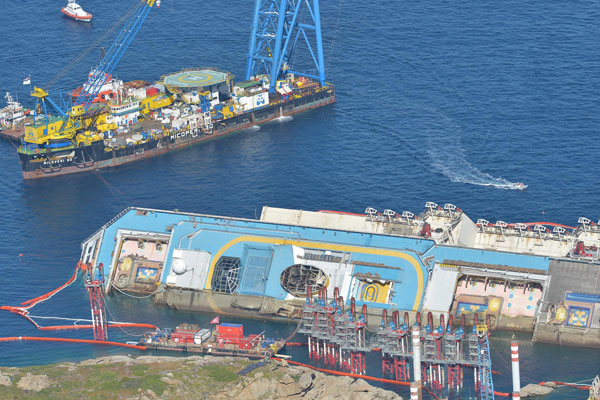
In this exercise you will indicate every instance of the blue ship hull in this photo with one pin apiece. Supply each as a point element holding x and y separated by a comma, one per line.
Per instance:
<point>440,262</point>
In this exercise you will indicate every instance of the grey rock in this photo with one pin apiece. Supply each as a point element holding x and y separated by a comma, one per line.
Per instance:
<point>5,380</point>
<point>34,382</point>
<point>117,359</point>
<point>305,380</point>
<point>256,389</point>
<point>170,381</point>
<point>288,389</point>
<point>109,360</point>
<point>359,385</point>
<point>67,364</point>
<point>153,359</point>
<point>93,361</point>
<point>286,379</point>
<point>532,390</point>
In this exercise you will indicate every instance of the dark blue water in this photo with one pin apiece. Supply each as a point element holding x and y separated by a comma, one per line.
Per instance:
<point>442,101</point>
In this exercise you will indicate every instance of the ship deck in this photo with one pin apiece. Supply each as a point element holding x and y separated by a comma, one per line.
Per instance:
<point>195,79</point>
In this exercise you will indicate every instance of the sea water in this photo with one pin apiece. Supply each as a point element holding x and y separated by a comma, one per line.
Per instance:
<point>443,101</point>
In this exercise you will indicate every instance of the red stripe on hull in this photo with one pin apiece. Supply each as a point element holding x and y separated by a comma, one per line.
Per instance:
<point>87,18</point>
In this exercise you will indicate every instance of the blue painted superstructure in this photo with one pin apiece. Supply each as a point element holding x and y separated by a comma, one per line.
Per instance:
<point>238,237</point>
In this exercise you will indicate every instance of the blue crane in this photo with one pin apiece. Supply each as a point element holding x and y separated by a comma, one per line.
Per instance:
<point>486,390</point>
<point>72,118</point>
<point>276,29</point>
<point>113,55</point>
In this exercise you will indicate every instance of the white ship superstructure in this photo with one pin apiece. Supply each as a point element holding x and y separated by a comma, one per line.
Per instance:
<point>12,113</point>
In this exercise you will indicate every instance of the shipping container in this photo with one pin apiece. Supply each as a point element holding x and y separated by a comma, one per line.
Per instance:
<point>230,330</point>
<point>151,91</point>
<point>201,336</point>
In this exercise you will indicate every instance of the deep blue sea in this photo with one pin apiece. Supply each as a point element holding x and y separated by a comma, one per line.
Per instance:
<point>438,100</point>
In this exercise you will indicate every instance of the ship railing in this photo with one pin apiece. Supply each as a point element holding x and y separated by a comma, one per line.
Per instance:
<point>106,225</point>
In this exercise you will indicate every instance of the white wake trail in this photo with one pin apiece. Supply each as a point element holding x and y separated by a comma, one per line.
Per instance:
<point>452,163</point>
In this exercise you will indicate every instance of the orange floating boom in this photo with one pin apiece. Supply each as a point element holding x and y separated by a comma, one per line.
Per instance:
<point>68,340</point>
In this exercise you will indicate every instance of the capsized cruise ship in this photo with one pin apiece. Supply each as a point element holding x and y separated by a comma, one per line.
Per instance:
<point>537,277</point>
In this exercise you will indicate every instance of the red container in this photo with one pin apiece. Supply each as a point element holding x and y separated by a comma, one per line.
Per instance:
<point>151,91</point>
<point>230,331</point>
<point>184,335</point>
<point>182,338</point>
<point>244,344</point>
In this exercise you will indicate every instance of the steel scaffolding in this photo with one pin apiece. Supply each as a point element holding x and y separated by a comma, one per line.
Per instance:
<point>94,286</point>
<point>342,339</point>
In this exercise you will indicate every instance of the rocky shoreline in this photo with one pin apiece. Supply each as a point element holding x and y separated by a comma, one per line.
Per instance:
<point>195,377</point>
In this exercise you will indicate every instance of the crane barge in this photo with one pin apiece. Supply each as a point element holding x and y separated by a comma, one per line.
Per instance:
<point>109,123</point>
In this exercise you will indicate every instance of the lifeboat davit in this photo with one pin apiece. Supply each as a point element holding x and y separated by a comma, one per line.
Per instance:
<point>74,10</point>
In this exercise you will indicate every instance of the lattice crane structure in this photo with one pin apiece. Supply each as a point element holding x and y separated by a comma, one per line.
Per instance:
<point>94,285</point>
<point>277,28</point>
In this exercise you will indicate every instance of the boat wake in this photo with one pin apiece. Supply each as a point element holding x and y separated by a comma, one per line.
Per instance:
<point>254,128</point>
<point>455,166</point>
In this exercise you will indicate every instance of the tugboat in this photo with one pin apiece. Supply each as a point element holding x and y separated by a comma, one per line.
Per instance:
<point>12,114</point>
<point>74,11</point>
<point>13,119</point>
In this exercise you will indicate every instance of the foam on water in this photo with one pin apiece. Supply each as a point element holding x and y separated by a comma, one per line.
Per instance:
<point>453,164</point>
<point>284,118</point>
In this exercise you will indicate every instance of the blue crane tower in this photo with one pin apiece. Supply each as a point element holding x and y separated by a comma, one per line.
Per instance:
<point>277,27</point>
<point>113,55</point>
<point>486,383</point>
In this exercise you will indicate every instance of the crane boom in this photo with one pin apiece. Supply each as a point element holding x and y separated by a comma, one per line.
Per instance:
<point>112,57</point>
<point>71,121</point>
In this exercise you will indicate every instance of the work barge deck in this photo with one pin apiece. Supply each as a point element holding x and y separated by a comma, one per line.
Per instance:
<point>536,277</point>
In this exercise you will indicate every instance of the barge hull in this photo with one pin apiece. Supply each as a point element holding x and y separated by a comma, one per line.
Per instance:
<point>171,143</point>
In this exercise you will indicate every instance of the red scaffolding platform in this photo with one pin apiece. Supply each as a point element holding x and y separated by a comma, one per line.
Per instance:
<point>94,286</point>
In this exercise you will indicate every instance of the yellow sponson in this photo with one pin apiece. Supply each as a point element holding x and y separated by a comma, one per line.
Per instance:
<point>155,102</point>
<point>102,123</point>
<point>106,127</point>
<point>37,133</point>
<point>88,137</point>
<point>227,111</point>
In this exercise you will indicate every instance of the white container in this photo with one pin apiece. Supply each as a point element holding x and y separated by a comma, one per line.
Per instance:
<point>201,336</point>
<point>260,100</point>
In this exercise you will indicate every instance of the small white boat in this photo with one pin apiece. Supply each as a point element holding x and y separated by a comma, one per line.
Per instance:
<point>520,186</point>
<point>74,10</point>
<point>12,114</point>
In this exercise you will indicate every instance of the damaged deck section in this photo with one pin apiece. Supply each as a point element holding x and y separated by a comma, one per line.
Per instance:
<point>439,261</point>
